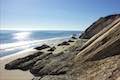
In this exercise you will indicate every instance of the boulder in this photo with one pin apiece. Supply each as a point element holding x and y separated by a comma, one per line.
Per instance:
<point>14,64</point>
<point>70,41</point>
<point>63,43</point>
<point>44,46</point>
<point>52,48</point>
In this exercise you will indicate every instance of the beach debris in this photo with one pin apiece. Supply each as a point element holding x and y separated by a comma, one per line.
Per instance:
<point>52,48</point>
<point>63,43</point>
<point>44,46</point>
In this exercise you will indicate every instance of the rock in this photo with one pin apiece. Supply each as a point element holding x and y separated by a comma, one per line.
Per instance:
<point>100,60</point>
<point>38,66</point>
<point>29,64</point>
<point>103,69</point>
<point>101,46</point>
<point>52,49</point>
<point>99,25</point>
<point>54,65</point>
<point>73,37</point>
<point>14,64</point>
<point>44,46</point>
<point>99,34</point>
<point>54,77</point>
<point>53,68</point>
<point>48,67</point>
<point>70,41</point>
<point>59,77</point>
<point>115,74</point>
<point>26,65</point>
<point>36,78</point>
<point>63,43</point>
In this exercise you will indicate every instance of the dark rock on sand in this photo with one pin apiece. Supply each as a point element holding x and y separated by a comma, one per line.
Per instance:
<point>99,25</point>
<point>73,37</point>
<point>44,46</point>
<point>63,43</point>
<point>27,62</point>
<point>52,48</point>
<point>70,41</point>
<point>14,64</point>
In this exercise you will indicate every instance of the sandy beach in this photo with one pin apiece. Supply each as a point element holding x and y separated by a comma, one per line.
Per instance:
<point>25,75</point>
<point>15,74</point>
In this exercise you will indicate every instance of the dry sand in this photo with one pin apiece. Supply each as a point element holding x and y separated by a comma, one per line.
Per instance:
<point>15,74</point>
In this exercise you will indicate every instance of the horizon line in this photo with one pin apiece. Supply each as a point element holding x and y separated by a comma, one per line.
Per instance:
<point>23,29</point>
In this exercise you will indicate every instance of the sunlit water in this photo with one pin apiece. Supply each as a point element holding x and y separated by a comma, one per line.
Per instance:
<point>15,41</point>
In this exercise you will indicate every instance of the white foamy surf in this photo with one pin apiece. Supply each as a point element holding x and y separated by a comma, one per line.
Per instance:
<point>13,48</point>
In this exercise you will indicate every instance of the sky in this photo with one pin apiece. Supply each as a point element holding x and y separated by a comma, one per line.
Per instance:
<point>54,14</point>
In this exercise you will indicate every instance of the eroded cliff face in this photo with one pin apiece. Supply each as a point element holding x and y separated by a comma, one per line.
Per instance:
<point>99,25</point>
<point>100,60</point>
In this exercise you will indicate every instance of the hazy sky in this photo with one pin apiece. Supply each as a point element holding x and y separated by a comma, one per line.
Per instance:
<point>54,14</point>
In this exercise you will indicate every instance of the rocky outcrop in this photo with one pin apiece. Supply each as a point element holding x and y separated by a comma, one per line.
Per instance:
<point>105,41</point>
<point>104,69</point>
<point>99,34</point>
<point>100,60</point>
<point>99,25</point>
<point>16,64</point>
<point>41,64</point>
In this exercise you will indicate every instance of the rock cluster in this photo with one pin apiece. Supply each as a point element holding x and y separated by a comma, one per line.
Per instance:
<point>41,64</point>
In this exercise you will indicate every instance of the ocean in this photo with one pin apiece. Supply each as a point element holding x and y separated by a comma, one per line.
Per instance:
<point>12,41</point>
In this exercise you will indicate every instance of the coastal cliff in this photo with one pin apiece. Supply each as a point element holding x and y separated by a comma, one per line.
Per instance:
<point>98,25</point>
<point>97,59</point>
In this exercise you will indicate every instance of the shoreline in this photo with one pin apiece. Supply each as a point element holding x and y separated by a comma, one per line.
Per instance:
<point>33,44</point>
<point>8,45</point>
<point>25,75</point>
